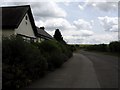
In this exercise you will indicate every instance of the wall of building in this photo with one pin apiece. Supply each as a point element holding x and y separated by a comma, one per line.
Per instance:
<point>25,27</point>
<point>39,39</point>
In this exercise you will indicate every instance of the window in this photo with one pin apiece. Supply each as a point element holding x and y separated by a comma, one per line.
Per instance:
<point>26,18</point>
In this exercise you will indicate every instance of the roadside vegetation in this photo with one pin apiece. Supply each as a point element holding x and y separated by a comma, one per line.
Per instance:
<point>25,62</point>
<point>113,48</point>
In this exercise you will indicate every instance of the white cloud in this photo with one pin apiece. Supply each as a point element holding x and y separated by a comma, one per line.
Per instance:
<point>103,38</point>
<point>81,24</point>
<point>39,23</point>
<point>70,32</point>
<point>77,33</point>
<point>53,23</point>
<point>103,5</point>
<point>76,36</point>
<point>92,22</point>
<point>94,39</point>
<point>42,9</point>
<point>63,0</point>
<point>109,23</point>
<point>48,9</point>
<point>66,2</point>
<point>81,7</point>
<point>101,0</point>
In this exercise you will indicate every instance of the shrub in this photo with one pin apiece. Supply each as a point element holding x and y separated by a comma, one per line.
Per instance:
<point>22,63</point>
<point>99,47</point>
<point>56,53</point>
<point>66,50</point>
<point>114,46</point>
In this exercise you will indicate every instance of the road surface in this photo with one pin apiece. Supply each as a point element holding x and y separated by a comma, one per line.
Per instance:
<point>83,70</point>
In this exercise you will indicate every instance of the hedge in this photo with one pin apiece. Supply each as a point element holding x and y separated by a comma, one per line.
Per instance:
<point>113,46</point>
<point>55,53</point>
<point>24,62</point>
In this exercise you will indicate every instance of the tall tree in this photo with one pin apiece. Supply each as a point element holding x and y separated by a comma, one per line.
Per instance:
<point>58,36</point>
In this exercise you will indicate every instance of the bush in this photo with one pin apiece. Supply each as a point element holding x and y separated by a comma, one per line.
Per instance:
<point>55,53</point>
<point>114,46</point>
<point>99,47</point>
<point>22,63</point>
<point>111,47</point>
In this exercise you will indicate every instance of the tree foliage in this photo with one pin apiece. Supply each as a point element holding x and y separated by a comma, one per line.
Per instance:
<point>58,36</point>
<point>113,46</point>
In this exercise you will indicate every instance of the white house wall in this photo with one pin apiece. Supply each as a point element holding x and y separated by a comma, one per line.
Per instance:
<point>25,28</point>
<point>40,39</point>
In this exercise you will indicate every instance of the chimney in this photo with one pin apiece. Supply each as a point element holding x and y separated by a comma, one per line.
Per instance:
<point>43,28</point>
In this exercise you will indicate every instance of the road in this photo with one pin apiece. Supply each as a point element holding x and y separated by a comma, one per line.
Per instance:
<point>83,70</point>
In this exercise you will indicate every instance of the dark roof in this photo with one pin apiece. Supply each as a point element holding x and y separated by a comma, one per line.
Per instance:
<point>13,15</point>
<point>42,33</point>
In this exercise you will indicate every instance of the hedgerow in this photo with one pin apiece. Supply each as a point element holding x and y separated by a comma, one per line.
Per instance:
<point>23,62</point>
<point>54,52</point>
<point>113,46</point>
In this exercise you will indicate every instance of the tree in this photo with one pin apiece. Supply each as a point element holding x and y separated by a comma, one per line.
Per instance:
<point>58,36</point>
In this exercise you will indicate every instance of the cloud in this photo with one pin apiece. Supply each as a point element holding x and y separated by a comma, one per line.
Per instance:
<point>42,9</point>
<point>52,16</point>
<point>53,23</point>
<point>62,0</point>
<point>70,32</point>
<point>102,1</point>
<point>76,33</point>
<point>81,7</point>
<point>78,28</point>
<point>109,23</point>
<point>103,38</point>
<point>94,39</point>
<point>48,9</point>
<point>76,36</point>
<point>103,5</point>
<point>81,24</point>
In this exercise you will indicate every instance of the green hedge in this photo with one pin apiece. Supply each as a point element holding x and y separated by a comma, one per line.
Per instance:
<point>114,46</point>
<point>56,53</point>
<point>25,62</point>
<point>99,47</point>
<point>111,47</point>
<point>22,63</point>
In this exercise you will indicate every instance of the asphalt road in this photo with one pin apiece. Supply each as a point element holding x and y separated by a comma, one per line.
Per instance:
<point>83,70</point>
<point>106,68</point>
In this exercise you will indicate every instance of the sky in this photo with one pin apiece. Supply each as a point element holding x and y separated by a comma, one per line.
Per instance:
<point>79,21</point>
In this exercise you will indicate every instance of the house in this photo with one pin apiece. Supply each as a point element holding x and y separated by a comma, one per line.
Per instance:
<point>18,20</point>
<point>42,35</point>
